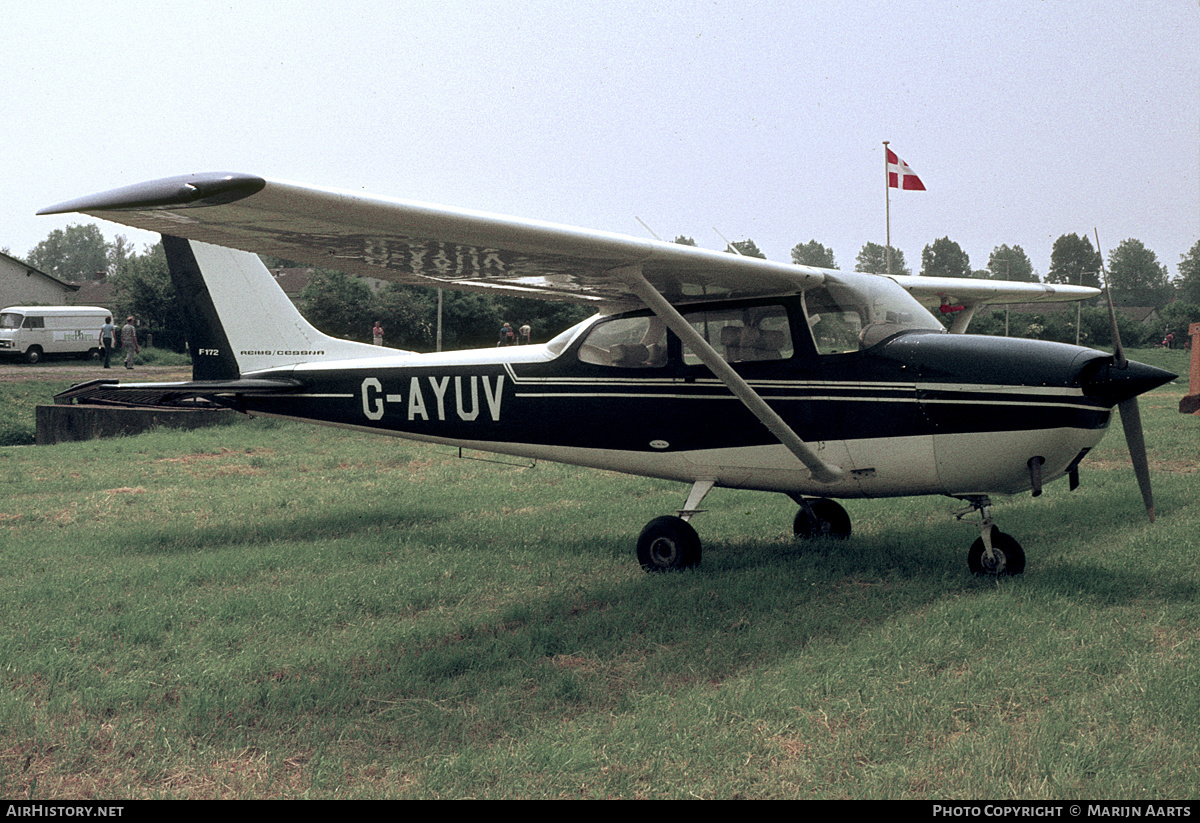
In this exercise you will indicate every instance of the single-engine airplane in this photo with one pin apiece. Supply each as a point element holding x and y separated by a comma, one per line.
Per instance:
<point>699,366</point>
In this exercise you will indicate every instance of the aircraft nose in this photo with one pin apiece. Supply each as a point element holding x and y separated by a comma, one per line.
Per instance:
<point>1112,384</point>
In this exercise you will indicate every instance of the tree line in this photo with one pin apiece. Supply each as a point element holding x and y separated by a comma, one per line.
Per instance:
<point>347,307</point>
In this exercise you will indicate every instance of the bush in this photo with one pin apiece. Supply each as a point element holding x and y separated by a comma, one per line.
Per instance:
<point>161,357</point>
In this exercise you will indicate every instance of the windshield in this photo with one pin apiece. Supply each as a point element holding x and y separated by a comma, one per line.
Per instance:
<point>561,340</point>
<point>10,320</point>
<point>847,315</point>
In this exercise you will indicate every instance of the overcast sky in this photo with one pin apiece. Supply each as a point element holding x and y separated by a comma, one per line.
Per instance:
<point>1026,119</point>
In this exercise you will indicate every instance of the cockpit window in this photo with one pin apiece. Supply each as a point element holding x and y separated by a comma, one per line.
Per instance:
<point>743,334</point>
<point>628,342</point>
<point>850,316</point>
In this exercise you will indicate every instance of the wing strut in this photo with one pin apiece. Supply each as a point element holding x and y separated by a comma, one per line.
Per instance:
<point>821,471</point>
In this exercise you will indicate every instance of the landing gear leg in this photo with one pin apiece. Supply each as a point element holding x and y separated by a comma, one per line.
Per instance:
<point>994,553</point>
<point>669,543</point>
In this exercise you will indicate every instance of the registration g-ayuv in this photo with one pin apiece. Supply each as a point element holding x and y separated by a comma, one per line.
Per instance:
<point>434,397</point>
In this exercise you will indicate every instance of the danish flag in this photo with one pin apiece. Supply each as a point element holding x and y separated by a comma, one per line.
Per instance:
<point>900,175</point>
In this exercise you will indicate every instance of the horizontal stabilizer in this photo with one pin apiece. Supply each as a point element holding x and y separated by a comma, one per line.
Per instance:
<point>185,394</point>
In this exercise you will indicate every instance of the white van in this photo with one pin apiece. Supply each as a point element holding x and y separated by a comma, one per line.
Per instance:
<point>35,331</point>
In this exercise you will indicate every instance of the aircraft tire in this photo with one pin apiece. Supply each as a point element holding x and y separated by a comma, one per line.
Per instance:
<point>1010,557</point>
<point>668,543</point>
<point>831,521</point>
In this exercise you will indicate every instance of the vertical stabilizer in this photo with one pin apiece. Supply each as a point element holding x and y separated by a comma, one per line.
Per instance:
<point>239,320</point>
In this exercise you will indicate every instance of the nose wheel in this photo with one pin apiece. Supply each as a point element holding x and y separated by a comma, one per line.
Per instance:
<point>995,553</point>
<point>1007,556</point>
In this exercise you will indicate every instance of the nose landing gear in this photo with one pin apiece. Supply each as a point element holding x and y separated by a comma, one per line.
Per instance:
<point>994,553</point>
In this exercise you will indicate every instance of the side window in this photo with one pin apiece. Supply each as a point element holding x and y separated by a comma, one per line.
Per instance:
<point>32,322</point>
<point>742,335</point>
<point>627,342</point>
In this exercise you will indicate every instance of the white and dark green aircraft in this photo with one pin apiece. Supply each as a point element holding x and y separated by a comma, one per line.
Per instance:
<point>704,367</point>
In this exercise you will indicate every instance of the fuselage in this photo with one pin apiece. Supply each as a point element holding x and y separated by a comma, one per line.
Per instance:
<point>907,410</point>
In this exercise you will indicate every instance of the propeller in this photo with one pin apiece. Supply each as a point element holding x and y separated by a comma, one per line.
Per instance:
<point>1131,415</point>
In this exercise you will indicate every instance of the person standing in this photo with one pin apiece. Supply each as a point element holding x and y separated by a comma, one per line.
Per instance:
<point>107,332</point>
<point>129,341</point>
<point>377,334</point>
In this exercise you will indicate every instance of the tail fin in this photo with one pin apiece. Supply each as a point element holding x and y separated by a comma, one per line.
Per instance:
<point>239,320</point>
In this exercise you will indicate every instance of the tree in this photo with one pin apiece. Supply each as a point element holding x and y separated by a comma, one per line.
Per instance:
<point>1073,262</point>
<point>470,319</point>
<point>1136,277</point>
<point>872,259</point>
<point>1013,264</point>
<point>1189,276</point>
<point>547,318</point>
<point>142,288</point>
<point>685,241</point>
<point>813,253</point>
<point>338,304</point>
<point>74,253</point>
<point>945,258</point>
<point>1177,318</point>
<point>408,315</point>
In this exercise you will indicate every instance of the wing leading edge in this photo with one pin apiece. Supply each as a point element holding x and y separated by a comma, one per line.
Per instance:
<point>423,244</point>
<point>428,245</point>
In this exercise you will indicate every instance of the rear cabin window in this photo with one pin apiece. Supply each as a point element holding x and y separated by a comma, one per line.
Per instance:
<point>740,335</point>
<point>743,335</point>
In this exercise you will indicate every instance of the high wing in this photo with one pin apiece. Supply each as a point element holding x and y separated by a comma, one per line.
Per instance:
<point>422,244</point>
<point>960,297</point>
<point>933,292</point>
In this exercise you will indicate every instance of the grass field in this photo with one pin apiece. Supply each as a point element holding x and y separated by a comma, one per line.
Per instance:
<point>272,610</point>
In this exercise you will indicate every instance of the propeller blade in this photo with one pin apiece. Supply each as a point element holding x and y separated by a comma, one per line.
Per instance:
<point>1131,415</point>
<point>1131,421</point>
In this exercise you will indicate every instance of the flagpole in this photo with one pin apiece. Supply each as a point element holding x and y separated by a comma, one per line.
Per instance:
<point>887,207</point>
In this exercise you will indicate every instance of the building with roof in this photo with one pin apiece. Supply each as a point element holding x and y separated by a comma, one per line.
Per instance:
<point>23,285</point>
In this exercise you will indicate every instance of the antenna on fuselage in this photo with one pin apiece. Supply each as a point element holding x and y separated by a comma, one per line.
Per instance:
<point>729,245</point>
<point>647,228</point>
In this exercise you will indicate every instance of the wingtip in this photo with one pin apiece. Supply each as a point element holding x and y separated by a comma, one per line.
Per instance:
<point>207,189</point>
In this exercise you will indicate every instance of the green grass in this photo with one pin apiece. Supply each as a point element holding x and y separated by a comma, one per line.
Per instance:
<point>18,399</point>
<point>276,610</point>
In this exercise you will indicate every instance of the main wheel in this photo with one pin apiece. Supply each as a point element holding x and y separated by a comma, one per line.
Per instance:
<point>33,354</point>
<point>831,521</point>
<point>668,543</point>
<point>1008,556</point>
